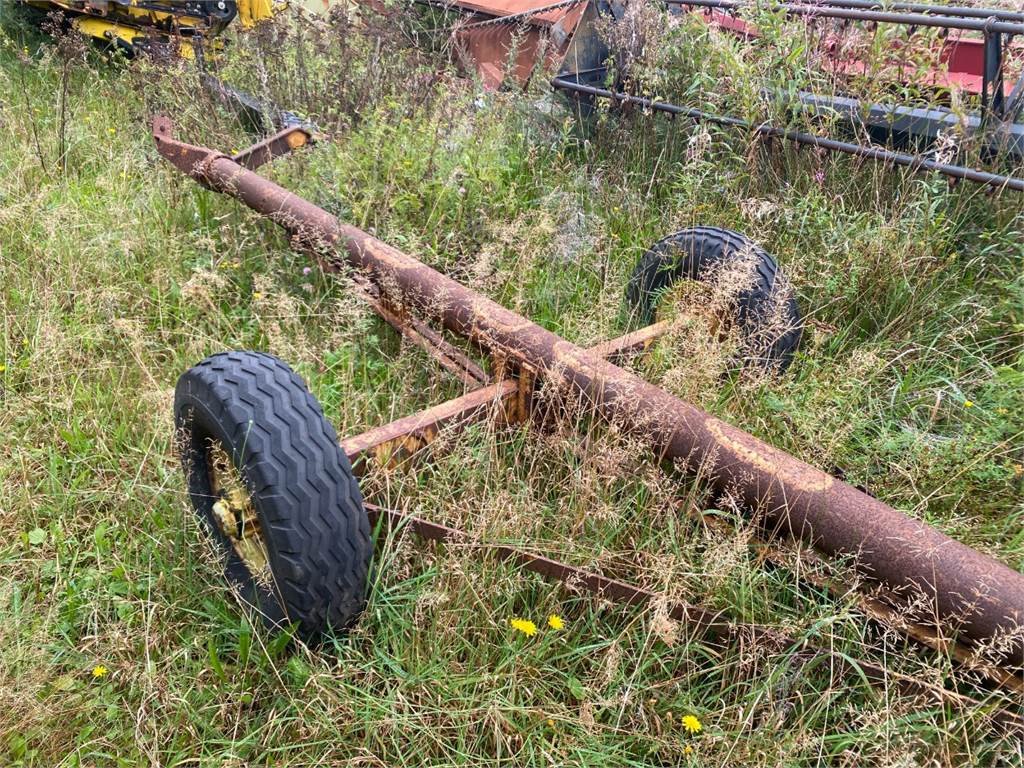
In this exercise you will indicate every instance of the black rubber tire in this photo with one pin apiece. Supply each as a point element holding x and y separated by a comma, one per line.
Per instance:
<point>301,484</point>
<point>690,255</point>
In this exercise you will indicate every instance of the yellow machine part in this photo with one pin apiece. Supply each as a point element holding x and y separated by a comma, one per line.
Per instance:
<point>122,16</point>
<point>252,11</point>
<point>146,16</point>
<point>132,36</point>
<point>128,22</point>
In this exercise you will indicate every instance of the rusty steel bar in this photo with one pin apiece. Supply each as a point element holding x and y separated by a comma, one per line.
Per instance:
<point>401,440</point>
<point>281,143</point>
<point>427,339</point>
<point>962,588</point>
<point>393,443</point>
<point>398,440</point>
<point>697,621</point>
<point>915,163</point>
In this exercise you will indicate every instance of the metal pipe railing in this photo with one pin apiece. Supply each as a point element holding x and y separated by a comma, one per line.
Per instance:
<point>938,10</point>
<point>915,162</point>
<point>992,25</point>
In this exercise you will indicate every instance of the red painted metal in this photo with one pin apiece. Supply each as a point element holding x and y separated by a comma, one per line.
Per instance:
<point>957,58</point>
<point>507,39</point>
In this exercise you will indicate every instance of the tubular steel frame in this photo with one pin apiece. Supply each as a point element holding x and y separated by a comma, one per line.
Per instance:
<point>969,593</point>
<point>572,83</point>
<point>583,76</point>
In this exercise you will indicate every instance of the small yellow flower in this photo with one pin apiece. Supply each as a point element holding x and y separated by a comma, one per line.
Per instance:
<point>99,671</point>
<point>555,622</point>
<point>257,295</point>
<point>968,403</point>
<point>111,131</point>
<point>687,750</point>
<point>525,626</point>
<point>551,723</point>
<point>691,724</point>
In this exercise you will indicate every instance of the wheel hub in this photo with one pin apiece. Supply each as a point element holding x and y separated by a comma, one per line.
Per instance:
<point>235,513</point>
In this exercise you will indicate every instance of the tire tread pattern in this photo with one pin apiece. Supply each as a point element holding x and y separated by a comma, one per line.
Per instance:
<point>301,483</point>
<point>690,254</point>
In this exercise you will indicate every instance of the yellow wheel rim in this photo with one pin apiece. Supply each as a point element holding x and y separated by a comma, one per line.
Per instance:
<point>234,512</point>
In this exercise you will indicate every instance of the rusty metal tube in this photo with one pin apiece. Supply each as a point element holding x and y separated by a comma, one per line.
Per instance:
<point>964,588</point>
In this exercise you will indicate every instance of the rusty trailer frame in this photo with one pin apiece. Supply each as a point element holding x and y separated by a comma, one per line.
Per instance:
<point>974,604</point>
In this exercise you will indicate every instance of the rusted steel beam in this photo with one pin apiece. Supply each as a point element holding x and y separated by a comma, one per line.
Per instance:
<point>275,146</point>
<point>615,350</point>
<point>430,341</point>
<point>391,444</point>
<point>395,442</point>
<point>960,587</point>
<point>714,628</point>
<point>879,610</point>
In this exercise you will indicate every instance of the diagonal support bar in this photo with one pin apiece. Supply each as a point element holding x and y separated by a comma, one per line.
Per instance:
<point>715,627</point>
<point>399,440</point>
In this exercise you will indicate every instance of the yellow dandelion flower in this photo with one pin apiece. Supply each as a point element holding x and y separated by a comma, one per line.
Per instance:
<point>99,671</point>
<point>687,750</point>
<point>692,724</point>
<point>551,723</point>
<point>525,626</point>
<point>555,622</point>
<point>257,295</point>
<point>968,403</point>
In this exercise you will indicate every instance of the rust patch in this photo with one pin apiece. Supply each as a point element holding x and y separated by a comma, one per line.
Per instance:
<point>495,318</point>
<point>769,460</point>
<point>580,361</point>
<point>375,251</point>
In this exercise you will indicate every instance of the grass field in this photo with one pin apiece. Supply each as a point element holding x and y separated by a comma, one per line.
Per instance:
<point>121,646</point>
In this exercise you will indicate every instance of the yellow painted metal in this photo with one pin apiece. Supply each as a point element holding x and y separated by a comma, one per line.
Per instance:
<point>252,11</point>
<point>109,31</point>
<point>105,30</point>
<point>133,24</point>
<point>235,514</point>
<point>145,16</point>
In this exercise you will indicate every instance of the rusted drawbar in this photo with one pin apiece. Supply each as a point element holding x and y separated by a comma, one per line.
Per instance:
<point>967,592</point>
